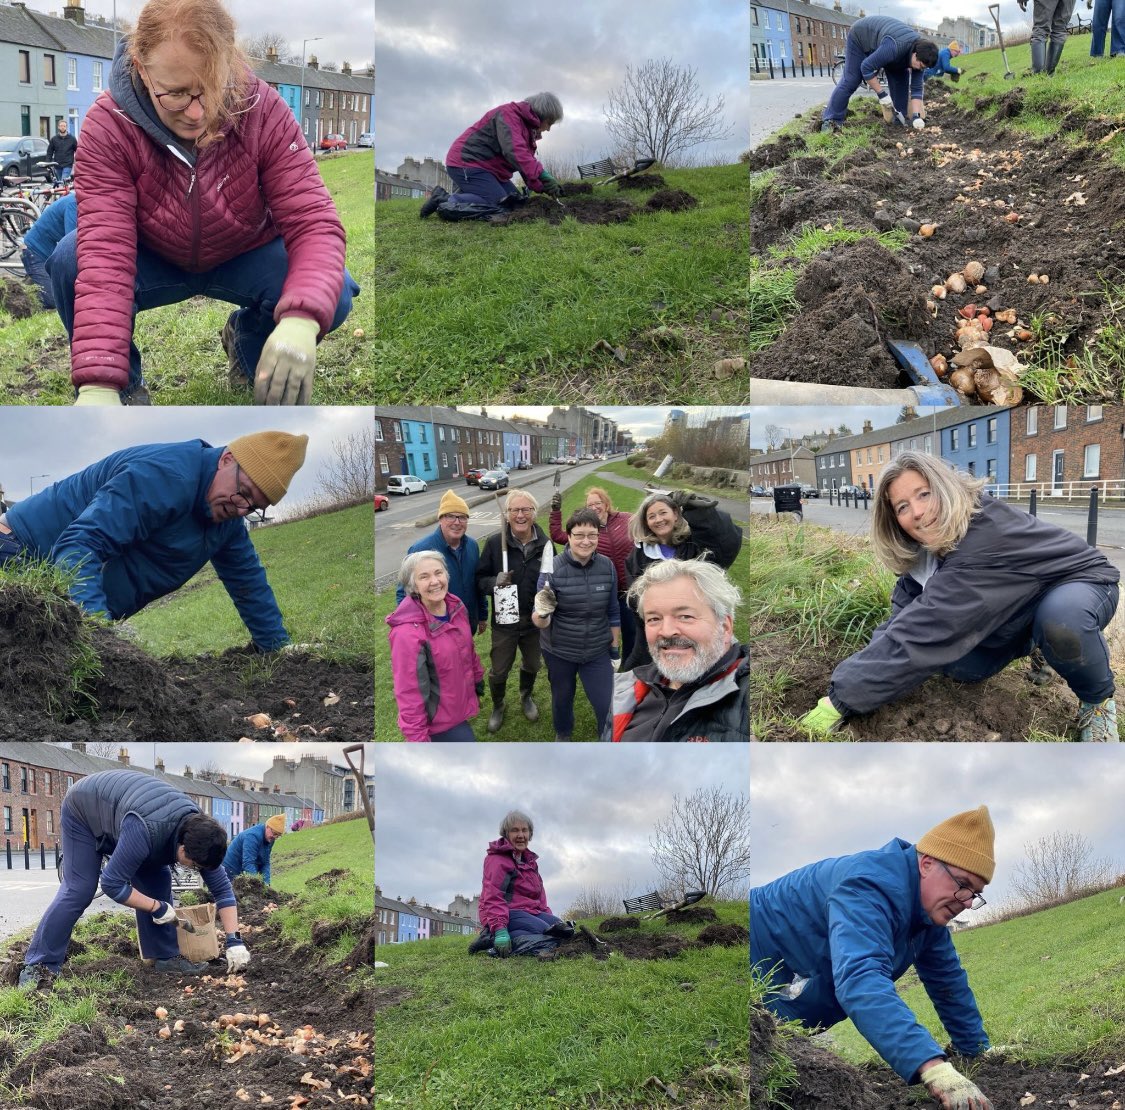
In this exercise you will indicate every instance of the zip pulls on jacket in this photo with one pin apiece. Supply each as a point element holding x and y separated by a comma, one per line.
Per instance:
<point>192,197</point>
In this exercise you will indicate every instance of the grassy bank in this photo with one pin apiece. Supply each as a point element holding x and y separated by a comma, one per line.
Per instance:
<point>320,572</point>
<point>473,1032</point>
<point>184,363</point>
<point>474,310</point>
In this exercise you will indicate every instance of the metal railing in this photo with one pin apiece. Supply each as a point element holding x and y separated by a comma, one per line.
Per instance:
<point>788,67</point>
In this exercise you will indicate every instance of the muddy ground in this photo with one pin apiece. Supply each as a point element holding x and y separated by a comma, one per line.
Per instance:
<point>968,174</point>
<point>826,1082</point>
<point>125,694</point>
<point>310,1035</point>
<point>648,946</point>
<point>587,208</point>
<point>1004,708</point>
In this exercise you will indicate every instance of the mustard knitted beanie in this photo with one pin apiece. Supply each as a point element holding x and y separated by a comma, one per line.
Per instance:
<point>270,459</point>
<point>966,840</point>
<point>451,503</point>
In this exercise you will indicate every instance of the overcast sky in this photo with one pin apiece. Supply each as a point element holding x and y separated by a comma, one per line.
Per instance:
<point>928,13</point>
<point>815,801</point>
<point>799,420</point>
<point>642,422</point>
<point>594,807</point>
<point>345,27</point>
<point>58,442</point>
<point>441,65</point>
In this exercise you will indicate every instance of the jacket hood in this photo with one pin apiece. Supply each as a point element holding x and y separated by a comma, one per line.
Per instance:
<point>132,99</point>
<point>411,611</point>
<point>501,847</point>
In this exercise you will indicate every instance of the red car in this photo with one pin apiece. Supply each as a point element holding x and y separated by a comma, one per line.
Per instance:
<point>473,477</point>
<point>382,501</point>
<point>333,142</point>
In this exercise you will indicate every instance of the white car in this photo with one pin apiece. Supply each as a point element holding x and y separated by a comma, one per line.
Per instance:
<point>405,483</point>
<point>366,139</point>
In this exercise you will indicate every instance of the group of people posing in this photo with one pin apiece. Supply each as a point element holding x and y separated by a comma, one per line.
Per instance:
<point>637,593</point>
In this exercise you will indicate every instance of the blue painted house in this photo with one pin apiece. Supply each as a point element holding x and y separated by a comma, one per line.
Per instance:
<point>978,442</point>
<point>418,446</point>
<point>769,28</point>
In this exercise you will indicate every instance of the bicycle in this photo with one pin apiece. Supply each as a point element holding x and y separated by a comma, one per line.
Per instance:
<point>16,217</point>
<point>837,72</point>
<point>183,878</point>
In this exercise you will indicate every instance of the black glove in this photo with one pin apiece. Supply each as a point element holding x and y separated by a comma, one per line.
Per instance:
<point>504,578</point>
<point>556,502</point>
<point>479,687</point>
<point>955,76</point>
<point>1022,4</point>
<point>686,498</point>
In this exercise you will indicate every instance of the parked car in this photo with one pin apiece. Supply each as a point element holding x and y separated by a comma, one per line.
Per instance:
<point>758,491</point>
<point>22,152</point>
<point>504,466</point>
<point>572,461</point>
<point>587,458</point>
<point>809,491</point>
<point>523,464</point>
<point>382,501</point>
<point>850,491</point>
<point>472,477</point>
<point>406,484</point>
<point>366,139</point>
<point>493,479</point>
<point>333,142</point>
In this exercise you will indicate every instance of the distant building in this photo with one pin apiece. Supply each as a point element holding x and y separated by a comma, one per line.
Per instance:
<point>429,172</point>
<point>465,907</point>
<point>390,186</point>
<point>967,32</point>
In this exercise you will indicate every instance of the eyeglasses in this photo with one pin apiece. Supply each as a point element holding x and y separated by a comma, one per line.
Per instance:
<point>243,502</point>
<point>591,537</point>
<point>459,517</point>
<point>964,893</point>
<point>174,101</point>
<point>521,511</point>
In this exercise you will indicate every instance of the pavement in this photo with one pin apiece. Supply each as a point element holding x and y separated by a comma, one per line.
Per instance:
<point>25,895</point>
<point>776,102</point>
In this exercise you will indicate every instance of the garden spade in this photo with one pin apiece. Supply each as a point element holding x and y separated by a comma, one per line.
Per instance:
<point>994,10</point>
<point>505,599</point>
<point>689,899</point>
<point>361,782</point>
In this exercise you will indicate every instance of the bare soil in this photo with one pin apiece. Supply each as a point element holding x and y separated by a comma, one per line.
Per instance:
<point>693,915</point>
<point>641,181</point>
<point>133,696</point>
<point>590,209</point>
<point>20,299</point>
<point>1003,708</point>
<point>966,175</point>
<point>634,945</point>
<point>826,1082</point>
<point>313,1039</point>
<point>617,924</point>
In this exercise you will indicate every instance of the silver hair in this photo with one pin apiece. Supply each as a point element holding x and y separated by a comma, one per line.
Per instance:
<point>546,106</point>
<point>410,565</point>
<point>511,817</point>
<point>523,493</point>
<point>714,587</point>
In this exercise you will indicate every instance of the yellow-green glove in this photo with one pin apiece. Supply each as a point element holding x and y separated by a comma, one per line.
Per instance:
<point>823,719</point>
<point>97,395</point>
<point>952,1090</point>
<point>285,371</point>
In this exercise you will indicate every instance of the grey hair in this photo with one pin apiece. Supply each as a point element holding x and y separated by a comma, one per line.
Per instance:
<point>410,565</point>
<point>511,817</point>
<point>714,587</point>
<point>638,525</point>
<point>546,106</point>
<point>522,493</point>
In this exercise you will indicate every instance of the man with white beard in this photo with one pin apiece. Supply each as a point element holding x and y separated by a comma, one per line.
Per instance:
<point>696,688</point>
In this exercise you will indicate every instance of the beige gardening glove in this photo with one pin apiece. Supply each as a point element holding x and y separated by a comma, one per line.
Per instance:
<point>285,370</point>
<point>952,1090</point>
<point>97,395</point>
<point>545,602</point>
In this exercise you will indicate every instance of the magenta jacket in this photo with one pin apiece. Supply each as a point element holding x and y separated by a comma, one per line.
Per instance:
<point>614,541</point>
<point>137,185</point>
<point>526,891</point>
<point>435,668</point>
<point>502,142</point>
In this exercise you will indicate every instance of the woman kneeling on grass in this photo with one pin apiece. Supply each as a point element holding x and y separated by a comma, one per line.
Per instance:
<point>438,678</point>
<point>981,583</point>
<point>514,914</point>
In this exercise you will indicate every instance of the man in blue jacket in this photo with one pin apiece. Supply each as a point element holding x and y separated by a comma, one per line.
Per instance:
<point>461,555</point>
<point>142,521</point>
<point>144,826</point>
<point>881,42</point>
<point>834,936</point>
<point>250,851</point>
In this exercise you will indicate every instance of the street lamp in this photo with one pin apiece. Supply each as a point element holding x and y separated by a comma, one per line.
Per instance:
<point>32,480</point>
<point>301,102</point>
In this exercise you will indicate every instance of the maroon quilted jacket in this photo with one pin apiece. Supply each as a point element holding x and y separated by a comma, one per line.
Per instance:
<point>136,183</point>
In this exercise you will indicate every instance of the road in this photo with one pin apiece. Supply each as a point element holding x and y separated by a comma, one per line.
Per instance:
<point>774,103</point>
<point>24,895</point>
<point>857,522</point>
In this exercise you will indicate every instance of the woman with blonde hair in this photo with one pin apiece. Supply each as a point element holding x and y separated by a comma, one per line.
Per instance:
<point>981,583</point>
<point>195,179</point>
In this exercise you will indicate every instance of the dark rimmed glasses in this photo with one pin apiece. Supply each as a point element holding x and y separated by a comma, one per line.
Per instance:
<point>971,899</point>
<point>243,502</point>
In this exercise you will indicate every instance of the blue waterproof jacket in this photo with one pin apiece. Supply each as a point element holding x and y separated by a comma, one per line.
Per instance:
<point>944,65</point>
<point>852,926</point>
<point>461,562</point>
<point>136,526</point>
<point>249,852</point>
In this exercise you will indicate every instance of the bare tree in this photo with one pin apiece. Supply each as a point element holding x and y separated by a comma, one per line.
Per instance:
<point>258,46</point>
<point>600,901</point>
<point>709,443</point>
<point>1060,866</point>
<point>104,749</point>
<point>349,476</point>
<point>659,112</point>
<point>704,844</point>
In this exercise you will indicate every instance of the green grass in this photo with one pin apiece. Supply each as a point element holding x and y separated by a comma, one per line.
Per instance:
<point>489,1034</point>
<point>320,571</point>
<point>184,361</point>
<point>470,309</point>
<point>1051,986</point>
<point>342,845</point>
<point>515,726</point>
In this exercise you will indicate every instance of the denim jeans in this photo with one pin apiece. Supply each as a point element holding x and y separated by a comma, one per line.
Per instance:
<point>10,547</point>
<point>478,187</point>
<point>898,85</point>
<point>35,267</point>
<point>462,733</point>
<point>520,922</point>
<point>252,280</point>
<point>1065,624</point>
<point>1102,10</point>
<point>597,680</point>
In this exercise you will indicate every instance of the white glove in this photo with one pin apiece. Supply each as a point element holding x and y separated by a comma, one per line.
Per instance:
<point>885,99</point>
<point>285,371</point>
<point>238,955</point>
<point>545,602</point>
<point>164,914</point>
<point>918,123</point>
<point>952,1090</point>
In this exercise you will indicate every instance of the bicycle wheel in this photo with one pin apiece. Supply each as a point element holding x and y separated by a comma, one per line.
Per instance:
<point>837,71</point>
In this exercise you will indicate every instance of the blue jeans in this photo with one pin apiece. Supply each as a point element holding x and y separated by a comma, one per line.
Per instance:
<point>1102,10</point>
<point>521,923</point>
<point>1065,624</point>
<point>462,733</point>
<point>478,187</point>
<point>597,680</point>
<point>898,85</point>
<point>252,280</point>
<point>10,547</point>
<point>81,867</point>
<point>34,265</point>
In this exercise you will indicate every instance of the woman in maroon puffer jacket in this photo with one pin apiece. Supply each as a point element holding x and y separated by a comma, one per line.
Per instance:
<point>194,178</point>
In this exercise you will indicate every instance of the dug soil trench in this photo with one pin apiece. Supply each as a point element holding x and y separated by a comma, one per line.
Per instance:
<point>300,1028</point>
<point>1006,707</point>
<point>650,946</point>
<point>1009,201</point>
<point>64,679</point>
<point>826,1082</point>
<point>586,208</point>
